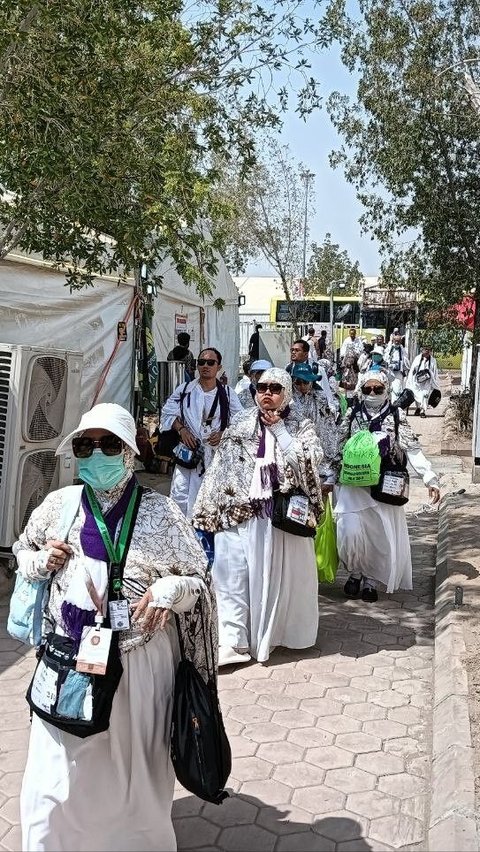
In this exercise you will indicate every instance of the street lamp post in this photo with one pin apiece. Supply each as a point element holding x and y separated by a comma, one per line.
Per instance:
<point>306,176</point>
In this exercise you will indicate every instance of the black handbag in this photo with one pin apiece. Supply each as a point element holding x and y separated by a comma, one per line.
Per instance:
<point>281,519</point>
<point>199,747</point>
<point>75,702</point>
<point>434,397</point>
<point>78,703</point>
<point>394,483</point>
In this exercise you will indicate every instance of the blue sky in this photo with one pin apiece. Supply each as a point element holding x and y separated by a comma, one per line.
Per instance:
<point>336,208</point>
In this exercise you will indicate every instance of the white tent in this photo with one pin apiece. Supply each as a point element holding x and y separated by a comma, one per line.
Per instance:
<point>179,307</point>
<point>36,308</point>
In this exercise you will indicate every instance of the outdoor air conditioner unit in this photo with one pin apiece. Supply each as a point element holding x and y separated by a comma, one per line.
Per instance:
<point>39,405</point>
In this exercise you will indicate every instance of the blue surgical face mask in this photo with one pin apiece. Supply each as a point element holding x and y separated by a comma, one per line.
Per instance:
<point>100,471</point>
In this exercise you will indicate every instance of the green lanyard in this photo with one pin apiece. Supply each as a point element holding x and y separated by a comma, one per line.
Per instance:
<point>115,553</point>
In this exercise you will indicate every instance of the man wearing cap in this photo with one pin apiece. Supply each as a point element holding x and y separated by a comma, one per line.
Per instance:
<point>313,403</point>
<point>247,395</point>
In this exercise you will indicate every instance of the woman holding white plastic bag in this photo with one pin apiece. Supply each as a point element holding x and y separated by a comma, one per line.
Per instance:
<point>112,790</point>
<point>422,379</point>
<point>372,536</point>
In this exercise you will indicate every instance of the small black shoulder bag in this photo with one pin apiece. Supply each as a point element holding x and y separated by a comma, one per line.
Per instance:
<point>77,702</point>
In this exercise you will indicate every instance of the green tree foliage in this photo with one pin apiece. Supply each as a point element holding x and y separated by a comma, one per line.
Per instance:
<point>267,216</point>
<point>329,263</point>
<point>113,112</point>
<point>412,139</point>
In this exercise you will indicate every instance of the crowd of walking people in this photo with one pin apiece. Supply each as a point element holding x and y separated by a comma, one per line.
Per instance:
<point>254,467</point>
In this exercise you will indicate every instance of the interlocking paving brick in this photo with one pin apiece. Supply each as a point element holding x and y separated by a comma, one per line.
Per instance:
<point>358,742</point>
<point>302,842</point>
<point>278,702</point>
<point>250,768</point>
<point>269,792</point>
<point>365,711</point>
<point>12,840</point>
<point>380,763</point>
<point>10,784</point>
<point>339,724</point>
<point>10,810</point>
<point>318,800</point>
<point>385,728</point>
<point>193,832</point>
<point>233,811</point>
<point>402,785</point>
<point>372,804</point>
<point>234,697</point>
<point>406,715</point>
<point>341,825</point>
<point>329,757</point>
<point>329,679</point>
<point>280,752</point>
<point>239,838</point>
<point>299,775</point>
<point>350,780</point>
<point>370,683</point>
<point>388,698</point>
<point>285,821</point>
<point>397,830</point>
<point>265,733</point>
<point>346,694</point>
<point>293,718</point>
<point>265,686</point>
<point>404,746</point>
<point>321,706</point>
<point>250,713</point>
<point>307,737</point>
<point>310,689</point>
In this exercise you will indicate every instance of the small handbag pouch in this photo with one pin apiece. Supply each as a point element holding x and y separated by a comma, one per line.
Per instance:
<point>291,513</point>
<point>76,702</point>
<point>199,746</point>
<point>394,483</point>
<point>185,457</point>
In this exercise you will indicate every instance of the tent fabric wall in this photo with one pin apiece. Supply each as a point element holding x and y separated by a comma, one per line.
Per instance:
<point>220,327</point>
<point>37,309</point>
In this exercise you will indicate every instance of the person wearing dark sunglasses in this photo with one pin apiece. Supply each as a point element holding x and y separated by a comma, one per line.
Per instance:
<point>372,535</point>
<point>124,559</point>
<point>265,576</point>
<point>199,412</point>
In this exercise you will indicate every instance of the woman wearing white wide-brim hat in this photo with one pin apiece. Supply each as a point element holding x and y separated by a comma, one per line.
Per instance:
<point>112,790</point>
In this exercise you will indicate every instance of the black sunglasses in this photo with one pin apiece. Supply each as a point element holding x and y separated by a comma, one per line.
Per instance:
<point>206,361</point>
<point>83,446</point>
<point>377,390</point>
<point>263,387</point>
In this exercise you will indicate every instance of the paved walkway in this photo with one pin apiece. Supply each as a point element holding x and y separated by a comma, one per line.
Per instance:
<point>331,745</point>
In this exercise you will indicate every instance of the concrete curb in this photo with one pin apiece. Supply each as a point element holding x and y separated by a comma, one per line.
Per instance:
<point>453,826</point>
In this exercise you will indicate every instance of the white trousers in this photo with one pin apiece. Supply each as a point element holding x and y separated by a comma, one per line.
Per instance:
<point>184,489</point>
<point>267,588</point>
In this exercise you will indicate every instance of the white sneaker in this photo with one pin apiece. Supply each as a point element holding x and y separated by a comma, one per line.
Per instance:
<point>230,657</point>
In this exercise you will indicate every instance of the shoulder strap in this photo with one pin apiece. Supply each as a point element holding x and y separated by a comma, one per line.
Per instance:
<point>117,574</point>
<point>183,394</point>
<point>353,413</point>
<point>69,510</point>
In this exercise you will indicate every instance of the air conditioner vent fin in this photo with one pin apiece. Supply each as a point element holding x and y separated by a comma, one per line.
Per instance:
<point>5,370</point>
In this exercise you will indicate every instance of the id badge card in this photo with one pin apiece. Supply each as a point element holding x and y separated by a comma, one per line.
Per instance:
<point>119,615</point>
<point>94,648</point>
<point>298,509</point>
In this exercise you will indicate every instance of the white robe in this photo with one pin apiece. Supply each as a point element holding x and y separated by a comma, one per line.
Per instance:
<point>422,390</point>
<point>196,408</point>
<point>267,587</point>
<point>113,791</point>
<point>372,537</point>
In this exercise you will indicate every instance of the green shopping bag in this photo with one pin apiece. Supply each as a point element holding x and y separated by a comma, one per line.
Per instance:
<point>360,460</point>
<point>326,546</point>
